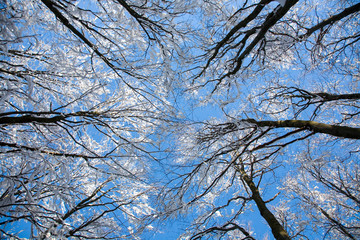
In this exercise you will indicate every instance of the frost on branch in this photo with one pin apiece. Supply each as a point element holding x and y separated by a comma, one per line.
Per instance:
<point>281,2</point>
<point>104,103</point>
<point>78,108</point>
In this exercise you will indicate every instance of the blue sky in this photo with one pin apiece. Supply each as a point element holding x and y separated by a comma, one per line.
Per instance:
<point>196,111</point>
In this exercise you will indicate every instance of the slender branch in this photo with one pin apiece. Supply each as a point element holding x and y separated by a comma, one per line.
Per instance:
<point>269,22</point>
<point>236,28</point>
<point>337,223</point>
<point>82,204</point>
<point>225,228</point>
<point>51,5</point>
<point>34,149</point>
<point>347,11</point>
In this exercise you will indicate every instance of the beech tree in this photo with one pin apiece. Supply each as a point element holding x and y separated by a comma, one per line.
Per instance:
<point>285,75</point>
<point>81,99</point>
<point>97,138</point>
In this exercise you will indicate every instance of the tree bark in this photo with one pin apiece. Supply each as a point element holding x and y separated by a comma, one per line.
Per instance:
<point>334,130</point>
<point>276,228</point>
<point>30,119</point>
<point>347,11</point>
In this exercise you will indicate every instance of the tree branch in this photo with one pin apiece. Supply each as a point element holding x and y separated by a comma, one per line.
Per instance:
<point>276,228</point>
<point>50,152</point>
<point>334,130</point>
<point>347,11</point>
<point>269,22</point>
<point>29,119</point>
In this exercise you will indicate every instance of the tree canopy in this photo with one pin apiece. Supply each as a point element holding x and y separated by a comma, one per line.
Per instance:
<point>117,116</point>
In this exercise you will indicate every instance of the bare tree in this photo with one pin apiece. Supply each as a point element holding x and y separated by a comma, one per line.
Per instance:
<point>87,97</point>
<point>82,95</point>
<point>285,74</point>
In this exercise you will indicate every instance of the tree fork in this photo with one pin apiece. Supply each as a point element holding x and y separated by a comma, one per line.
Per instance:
<point>347,11</point>
<point>276,228</point>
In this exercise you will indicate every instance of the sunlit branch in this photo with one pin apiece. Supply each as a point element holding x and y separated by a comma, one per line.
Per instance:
<point>50,152</point>
<point>331,20</point>
<point>51,5</point>
<point>141,92</point>
<point>142,19</point>
<point>237,27</point>
<point>338,224</point>
<point>85,203</point>
<point>224,229</point>
<point>269,22</point>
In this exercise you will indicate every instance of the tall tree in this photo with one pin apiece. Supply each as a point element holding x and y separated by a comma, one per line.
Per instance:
<point>88,92</point>
<point>285,74</point>
<point>81,98</point>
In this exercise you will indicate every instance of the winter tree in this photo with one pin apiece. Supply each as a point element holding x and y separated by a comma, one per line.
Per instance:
<point>81,100</point>
<point>96,95</point>
<point>285,75</point>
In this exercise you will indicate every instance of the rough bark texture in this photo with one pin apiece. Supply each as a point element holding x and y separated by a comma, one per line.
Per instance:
<point>334,130</point>
<point>276,228</point>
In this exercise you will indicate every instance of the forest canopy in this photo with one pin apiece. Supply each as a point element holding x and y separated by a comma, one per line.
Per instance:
<point>228,119</point>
